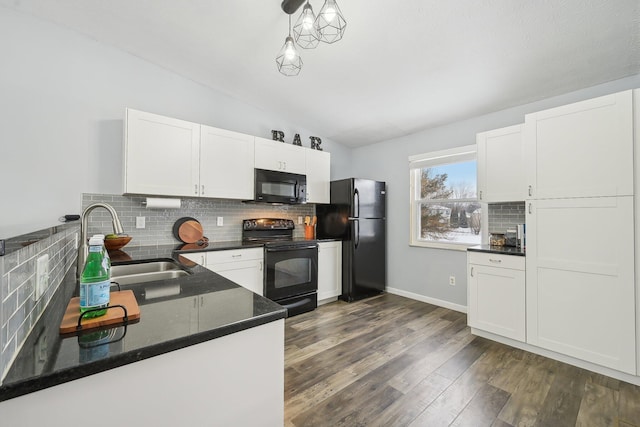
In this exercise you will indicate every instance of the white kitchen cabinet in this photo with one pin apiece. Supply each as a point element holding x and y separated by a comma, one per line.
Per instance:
<point>242,266</point>
<point>279,156</point>
<point>580,279</point>
<point>318,171</point>
<point>501,176</point>
<point>329,270</point>
<point>161,155</point>
<point>226,164</point>
<point>171,157</point>
<point>583,149</point>
<point>496,294</point>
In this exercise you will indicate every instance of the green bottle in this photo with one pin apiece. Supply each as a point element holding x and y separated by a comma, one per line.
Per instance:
<point>105,253</point>
<point>95,280</point>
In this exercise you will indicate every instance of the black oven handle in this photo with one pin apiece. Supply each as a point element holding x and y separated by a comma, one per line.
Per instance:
<point>292,247</point>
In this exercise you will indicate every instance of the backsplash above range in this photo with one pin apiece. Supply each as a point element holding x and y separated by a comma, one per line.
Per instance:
<point>159,222</point>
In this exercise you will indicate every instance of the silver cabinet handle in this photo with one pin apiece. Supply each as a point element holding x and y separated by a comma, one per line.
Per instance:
<point>530,208</point>
<point>202,193</point>
<point>195,188</point>
<point>497,261</point>
<point>260,265</point>
<point>471,271</point>
<point>236,256</point>
<point>530,191</point>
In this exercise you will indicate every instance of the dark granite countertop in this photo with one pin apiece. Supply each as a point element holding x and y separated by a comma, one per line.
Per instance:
<point>503,250</point>
<point>169,320</point>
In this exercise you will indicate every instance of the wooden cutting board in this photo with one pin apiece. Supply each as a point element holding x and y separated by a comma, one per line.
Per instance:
<point>114,315</point>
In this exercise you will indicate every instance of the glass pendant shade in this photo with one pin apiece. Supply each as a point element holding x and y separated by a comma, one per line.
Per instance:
<point>330,23</point>
<point>288,60</point>
<point>304,30</point>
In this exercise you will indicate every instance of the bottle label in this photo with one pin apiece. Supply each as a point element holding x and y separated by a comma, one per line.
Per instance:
<point>94,295</point>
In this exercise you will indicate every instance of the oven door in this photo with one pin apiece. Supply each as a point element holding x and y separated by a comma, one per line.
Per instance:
<point>290,270</point>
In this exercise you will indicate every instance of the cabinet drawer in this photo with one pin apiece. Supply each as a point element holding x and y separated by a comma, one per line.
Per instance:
<point>515,262</point>
<point>232,255</point>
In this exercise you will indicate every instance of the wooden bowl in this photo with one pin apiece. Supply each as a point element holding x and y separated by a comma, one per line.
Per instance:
<point>116,243</point>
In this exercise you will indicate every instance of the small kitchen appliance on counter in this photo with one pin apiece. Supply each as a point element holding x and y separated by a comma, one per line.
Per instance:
<point>291,266</point>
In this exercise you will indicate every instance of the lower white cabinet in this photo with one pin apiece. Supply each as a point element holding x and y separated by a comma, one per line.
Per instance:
<point>496,286</point>
<point>329,270</point>
<point>580,279</point>
<point>243,266</point>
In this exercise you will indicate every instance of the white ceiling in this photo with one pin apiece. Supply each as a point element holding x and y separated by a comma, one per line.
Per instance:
<point>401,67</point>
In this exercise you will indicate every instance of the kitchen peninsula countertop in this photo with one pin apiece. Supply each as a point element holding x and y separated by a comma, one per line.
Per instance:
<point>502,250</point>
<point>166,323</point>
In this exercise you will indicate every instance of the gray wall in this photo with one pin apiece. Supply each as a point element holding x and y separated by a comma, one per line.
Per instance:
<point>62,109</point>
<point>424,271</point>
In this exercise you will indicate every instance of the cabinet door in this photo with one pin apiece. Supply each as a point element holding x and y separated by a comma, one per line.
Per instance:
<point>199,258</point>
<point>226,164</point>
<point>318,167</point>
<point>329,270</point>
<point>581,150</point>
<point>501,176</point>
<point>580,279</point>
<point>248,274</point>
<point>279,156</point>
<point>161,155</point>
<point>497,300</point>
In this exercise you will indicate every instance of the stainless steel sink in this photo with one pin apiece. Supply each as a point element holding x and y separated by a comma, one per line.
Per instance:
<point>152,271</point>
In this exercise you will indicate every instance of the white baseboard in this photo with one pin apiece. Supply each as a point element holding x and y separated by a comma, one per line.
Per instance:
<point>434,301</point>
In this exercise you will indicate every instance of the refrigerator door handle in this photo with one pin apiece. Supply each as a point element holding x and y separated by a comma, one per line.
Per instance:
<point>356,203</point>
<point>357,232</point>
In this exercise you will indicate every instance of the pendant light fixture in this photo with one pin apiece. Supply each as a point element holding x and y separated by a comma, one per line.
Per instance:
<point>288,60</point>
<point>304,30</point>
<point>330,23</point>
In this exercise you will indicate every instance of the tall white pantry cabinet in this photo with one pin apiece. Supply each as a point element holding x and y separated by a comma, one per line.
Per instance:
<point>581,248</point>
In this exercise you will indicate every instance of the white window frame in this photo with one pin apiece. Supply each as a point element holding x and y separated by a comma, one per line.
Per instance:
<point>416,164</point>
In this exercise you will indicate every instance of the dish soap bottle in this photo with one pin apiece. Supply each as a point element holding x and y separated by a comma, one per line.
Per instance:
<point>95,281</point>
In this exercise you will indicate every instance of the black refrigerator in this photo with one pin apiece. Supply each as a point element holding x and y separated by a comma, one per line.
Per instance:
<point>357,215</point>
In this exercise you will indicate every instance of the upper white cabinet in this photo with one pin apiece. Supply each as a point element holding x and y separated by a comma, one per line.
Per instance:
<point>226,164</point>
<point>580,279</point>
<point>279,156</point>
<point>496,294</point>
<point>161,155</point>
<point>170,157</point>
<point>501,176</point>
<point>318,169</point>
<point>329,270</point>
<point>581,150</point>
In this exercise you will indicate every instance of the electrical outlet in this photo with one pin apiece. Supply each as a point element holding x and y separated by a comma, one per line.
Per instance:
<point>76,239</point>
<point>300,220</point>
<point>42,275</point>
<point>452,280</point>
<point>140,221</point>
<point>220,221</point>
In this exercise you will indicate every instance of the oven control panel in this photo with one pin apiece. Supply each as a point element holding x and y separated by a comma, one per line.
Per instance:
<point>268,224</point>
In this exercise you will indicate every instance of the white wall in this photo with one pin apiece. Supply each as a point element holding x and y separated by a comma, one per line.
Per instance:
<point>425,271</point>
<point>62,103</point>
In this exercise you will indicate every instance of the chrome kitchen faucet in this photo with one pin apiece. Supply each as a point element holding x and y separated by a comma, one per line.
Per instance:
<point>83,249</point>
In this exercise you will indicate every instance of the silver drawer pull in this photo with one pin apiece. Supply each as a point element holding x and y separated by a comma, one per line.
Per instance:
<point>236,256</point>
<point>497,261</point>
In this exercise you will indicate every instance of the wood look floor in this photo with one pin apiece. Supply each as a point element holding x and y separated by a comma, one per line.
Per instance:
<point>392,361</point>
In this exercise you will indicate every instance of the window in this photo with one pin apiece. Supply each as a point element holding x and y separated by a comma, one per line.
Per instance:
<point>445,212</point>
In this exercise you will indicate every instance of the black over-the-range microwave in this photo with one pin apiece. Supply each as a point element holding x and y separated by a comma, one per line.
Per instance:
<point>280,187</point>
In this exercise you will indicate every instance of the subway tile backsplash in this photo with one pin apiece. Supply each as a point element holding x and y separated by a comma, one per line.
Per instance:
<point>159,222</point>
<point>505,215</point>
<point>19,310</point>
